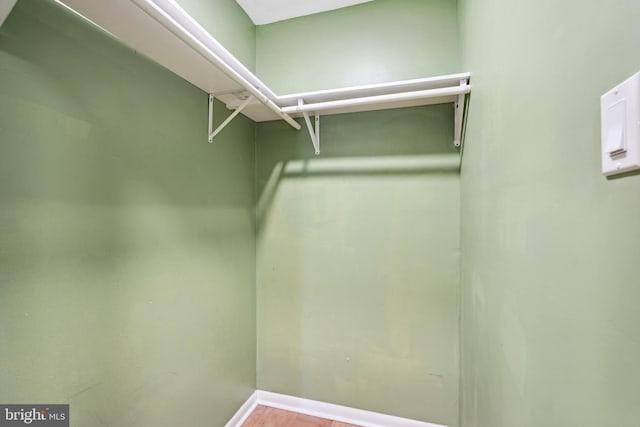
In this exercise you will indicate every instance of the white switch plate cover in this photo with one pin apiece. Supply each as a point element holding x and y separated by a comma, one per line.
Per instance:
<point>620,116</point>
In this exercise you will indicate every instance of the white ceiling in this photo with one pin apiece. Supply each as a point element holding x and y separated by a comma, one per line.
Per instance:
<point>268,11</point>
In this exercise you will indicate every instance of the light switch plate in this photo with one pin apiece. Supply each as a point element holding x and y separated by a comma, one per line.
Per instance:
<point>620,117</point>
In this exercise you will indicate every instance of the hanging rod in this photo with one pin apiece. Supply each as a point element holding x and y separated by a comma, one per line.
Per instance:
<point>378,99</point>
<point>455,94</point>
<point>385,88</point>
<point>180,23</point>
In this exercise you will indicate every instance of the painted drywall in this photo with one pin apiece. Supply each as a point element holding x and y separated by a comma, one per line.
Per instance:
<point>550,246</point>
<point>229,24</point>
<point>127,256</point>
<point>375,42</point>
<point>358,250</point>
<point>358,262</point>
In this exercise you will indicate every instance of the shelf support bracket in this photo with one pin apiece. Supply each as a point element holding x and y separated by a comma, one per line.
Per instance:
<point>313,133</point>
<point>459,116</point>
<point>213,133</point>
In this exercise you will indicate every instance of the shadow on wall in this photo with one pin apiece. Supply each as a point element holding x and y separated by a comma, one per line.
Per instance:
<point>432,164</point>
<point>408,141</point>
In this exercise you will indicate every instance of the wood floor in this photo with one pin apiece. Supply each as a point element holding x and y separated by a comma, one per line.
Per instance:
<point>263,416</point>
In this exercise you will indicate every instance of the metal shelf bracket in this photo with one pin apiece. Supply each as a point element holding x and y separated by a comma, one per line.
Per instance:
<point>458,105</point>
<point>313,133</point>
<point>212,133</point>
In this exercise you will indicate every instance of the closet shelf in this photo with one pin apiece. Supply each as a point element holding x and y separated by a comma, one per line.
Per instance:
<point>406,93</point>
<point>166,33</point>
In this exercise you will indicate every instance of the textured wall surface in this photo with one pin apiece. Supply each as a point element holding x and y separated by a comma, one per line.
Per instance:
<point>550,246</point>
<point>357,262</point>
<point>374,42</point>
<point>127,254</point>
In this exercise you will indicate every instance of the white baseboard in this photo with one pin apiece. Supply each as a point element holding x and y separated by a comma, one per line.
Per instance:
<point>330,411</point>
<point>245,410</point>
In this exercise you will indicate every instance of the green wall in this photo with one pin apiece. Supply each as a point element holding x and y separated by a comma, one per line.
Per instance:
<point>550,246</point>
<point>127,255</point>
<point>358,249</point>
<point>374,42</point>
<point>357,262</point>
<point>229,24</point>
